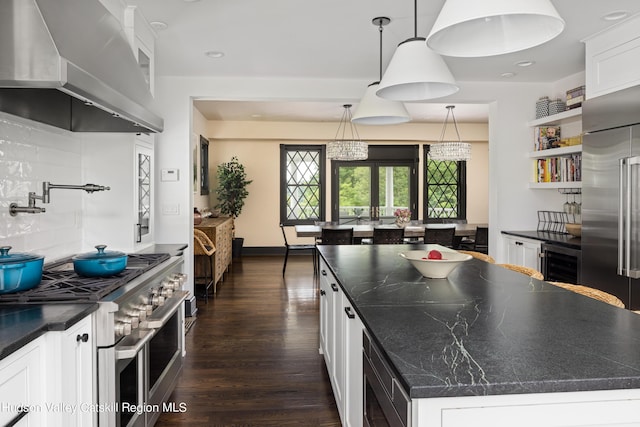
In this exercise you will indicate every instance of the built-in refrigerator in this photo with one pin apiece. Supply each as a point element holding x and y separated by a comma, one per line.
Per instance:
<point>611,195</point>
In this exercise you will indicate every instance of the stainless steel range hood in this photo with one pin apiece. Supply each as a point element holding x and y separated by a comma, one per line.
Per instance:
<point>67,63</point>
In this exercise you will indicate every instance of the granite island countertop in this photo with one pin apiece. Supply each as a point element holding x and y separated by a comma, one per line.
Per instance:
<point>485,330</point>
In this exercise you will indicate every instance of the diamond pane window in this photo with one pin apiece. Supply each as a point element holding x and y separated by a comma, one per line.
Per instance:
<point>445,189</point>
<point>302,172</point>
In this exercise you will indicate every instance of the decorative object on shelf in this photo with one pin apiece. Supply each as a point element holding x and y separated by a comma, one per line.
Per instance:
<point>575,97</point>
<point>345,148</point>
<point>373,110</point>
<point>542,107</point>
<point>454,150</point>
<point>472,28</point>
<point>556,106</point>
<point>403,217</point>
<point>416,73</point>
<point>197,216</point>
<point>546,137</point>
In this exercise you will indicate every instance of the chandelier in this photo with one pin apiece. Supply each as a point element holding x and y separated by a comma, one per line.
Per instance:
<point>454,151</point>
<point>347,148</point>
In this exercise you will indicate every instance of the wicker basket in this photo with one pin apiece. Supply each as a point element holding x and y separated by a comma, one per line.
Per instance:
<point>591,293</point>
<point>524,270</point>
<point>480,256</point>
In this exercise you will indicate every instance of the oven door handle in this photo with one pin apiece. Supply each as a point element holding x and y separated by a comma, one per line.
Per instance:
<point>130,351</point>
<point>168,309</point>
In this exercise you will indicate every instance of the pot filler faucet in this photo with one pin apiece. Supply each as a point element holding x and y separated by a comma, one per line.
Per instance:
<point>14,209</point>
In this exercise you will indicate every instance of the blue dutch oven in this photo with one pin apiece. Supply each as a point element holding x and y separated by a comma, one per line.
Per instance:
<point>19,271</point>
<point>100,264</point>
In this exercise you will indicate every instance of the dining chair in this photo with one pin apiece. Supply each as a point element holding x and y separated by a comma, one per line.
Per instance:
<point>203,247</point>
<point>531,272</point>
<point>591,293</point>
<point>479,243</point>
<point>393,236</point>
<point>337,236</point>
<point>298,247</point>
<point>440,235</point>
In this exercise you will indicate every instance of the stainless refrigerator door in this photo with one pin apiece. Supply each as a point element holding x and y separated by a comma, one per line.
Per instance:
<point>634,221</point>
<point>601,154</point>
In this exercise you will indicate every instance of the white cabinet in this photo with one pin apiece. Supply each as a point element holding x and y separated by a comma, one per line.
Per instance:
<point>341,344</point>
<point>521,251</point>
<point>613,58</point>
<point>71,375</point>
<point>22,386</point>
<point>558,167</point>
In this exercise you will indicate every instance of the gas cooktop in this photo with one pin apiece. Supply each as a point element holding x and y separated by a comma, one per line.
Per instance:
<point>61,284</point>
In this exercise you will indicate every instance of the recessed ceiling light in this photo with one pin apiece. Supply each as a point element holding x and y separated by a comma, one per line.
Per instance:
<point>525,63</point>
<point>507,75</point>
<point>158,25</point>
<point>616,15</point>
<point>214,54</point>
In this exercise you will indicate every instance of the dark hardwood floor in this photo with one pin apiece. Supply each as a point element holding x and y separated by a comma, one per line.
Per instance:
<point>252,354</point>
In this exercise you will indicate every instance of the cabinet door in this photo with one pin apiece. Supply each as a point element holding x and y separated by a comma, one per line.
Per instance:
<point>531,254</point>
<point>337,334</point>
<point>78,371</point>
<point>352,352</point>
<point>522,251</point>
<point>143,193</point>
<point>327,317</point>
<point>22,386</point>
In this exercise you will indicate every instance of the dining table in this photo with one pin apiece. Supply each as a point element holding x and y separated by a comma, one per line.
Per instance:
<point>361,231</point>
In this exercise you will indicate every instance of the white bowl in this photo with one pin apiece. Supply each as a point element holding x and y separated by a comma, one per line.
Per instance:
<point>435,268</point>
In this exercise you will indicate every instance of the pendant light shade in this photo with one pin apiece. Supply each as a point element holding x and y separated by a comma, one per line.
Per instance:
<point>473,28</point>
<point>416,73</point>
<point>454,150</point>
<point>347,145</point>
<point>373,110</point>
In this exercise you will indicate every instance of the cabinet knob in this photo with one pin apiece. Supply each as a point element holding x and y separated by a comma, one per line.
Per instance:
<point>84,337</point>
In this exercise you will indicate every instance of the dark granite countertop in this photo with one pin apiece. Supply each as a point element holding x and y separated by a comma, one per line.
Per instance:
<point>561,239</point>
<point>485,330</point>
<point>21,324</point>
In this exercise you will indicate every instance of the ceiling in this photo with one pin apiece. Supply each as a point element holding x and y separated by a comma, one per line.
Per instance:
<point>335,39</point>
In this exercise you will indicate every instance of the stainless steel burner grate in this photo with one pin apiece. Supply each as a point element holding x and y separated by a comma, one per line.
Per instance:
<point>61,284</point>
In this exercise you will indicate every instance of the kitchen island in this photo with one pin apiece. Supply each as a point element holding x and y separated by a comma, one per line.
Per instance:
<point>489,342</point>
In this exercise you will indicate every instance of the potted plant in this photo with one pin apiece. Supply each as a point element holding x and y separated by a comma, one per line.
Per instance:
<point>231,192</point>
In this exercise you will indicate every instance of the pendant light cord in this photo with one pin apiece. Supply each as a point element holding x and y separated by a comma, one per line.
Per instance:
<point>415,18</point>
<point>380,30</point>
<point>346,119</point>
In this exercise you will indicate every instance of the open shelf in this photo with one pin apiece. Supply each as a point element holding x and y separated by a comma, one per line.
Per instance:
<point>556,118</point>
<point>547,185</point>
<point>555,152</point>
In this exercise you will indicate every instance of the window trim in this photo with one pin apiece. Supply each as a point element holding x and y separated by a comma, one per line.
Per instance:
<point>462,189</point>
<point>284,149</point>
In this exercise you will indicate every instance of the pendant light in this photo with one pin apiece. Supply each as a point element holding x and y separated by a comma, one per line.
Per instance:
<point>455,151</point>
<point>373,110</point>
<point>473,28</point>
<point>416,73</point>
<point>346,148</point>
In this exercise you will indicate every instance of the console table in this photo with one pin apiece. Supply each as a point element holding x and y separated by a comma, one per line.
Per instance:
<point>220,231</point>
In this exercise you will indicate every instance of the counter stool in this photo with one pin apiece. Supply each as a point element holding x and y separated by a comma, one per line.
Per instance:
<point>479,255</point>
<point>591,293</point>
<point>204,247</point>
<point>531,272</point>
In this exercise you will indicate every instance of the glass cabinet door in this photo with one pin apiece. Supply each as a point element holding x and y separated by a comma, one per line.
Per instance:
<point>144,194</point>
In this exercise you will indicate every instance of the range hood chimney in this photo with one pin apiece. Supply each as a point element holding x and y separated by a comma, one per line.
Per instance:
<point>67,63</point>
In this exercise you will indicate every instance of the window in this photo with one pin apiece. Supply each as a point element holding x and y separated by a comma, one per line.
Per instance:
<point>302,176</point>
<point>372,189</point>
<point>445,189</point>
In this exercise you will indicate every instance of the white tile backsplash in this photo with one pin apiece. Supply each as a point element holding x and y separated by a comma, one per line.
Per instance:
<point>31,153</point>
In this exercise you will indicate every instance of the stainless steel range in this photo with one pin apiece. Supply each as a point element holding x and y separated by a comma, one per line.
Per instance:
<point>139,332</point>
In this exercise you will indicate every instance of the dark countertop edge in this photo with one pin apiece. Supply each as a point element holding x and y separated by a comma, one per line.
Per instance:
<point>548,237</point>
<point>61,324</point>
<point>173,249</point>
<point>560,386</point>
